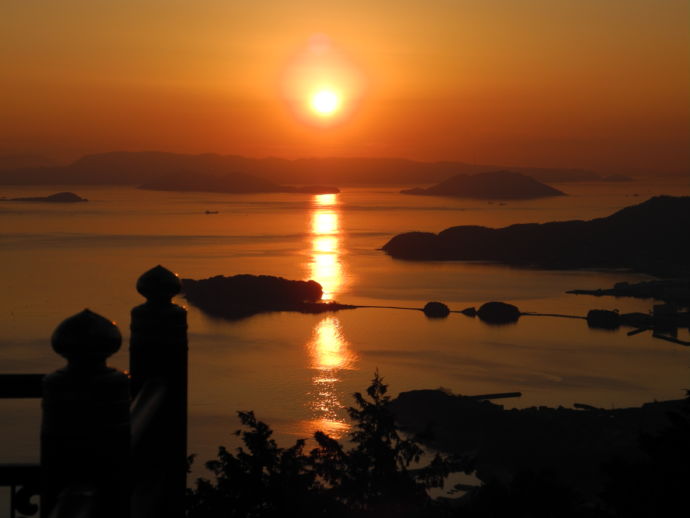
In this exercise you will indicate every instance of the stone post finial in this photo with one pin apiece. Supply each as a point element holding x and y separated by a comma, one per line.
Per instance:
<point>158,354</point>
<point>159,284</point>
<point>85,430</point>
<point>86,338</point>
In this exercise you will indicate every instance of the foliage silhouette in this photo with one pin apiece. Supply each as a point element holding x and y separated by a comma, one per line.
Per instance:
<point>530,494</point>
<point>372,478</point>
<point>375,475</point>
<point>657,485</point>
<point>262,480</point>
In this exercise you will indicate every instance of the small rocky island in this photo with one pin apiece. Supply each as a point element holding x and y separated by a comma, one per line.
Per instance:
<point>497,185</point>
<point>59,197</point>
<point>649,237</point>
<point>241,296</point>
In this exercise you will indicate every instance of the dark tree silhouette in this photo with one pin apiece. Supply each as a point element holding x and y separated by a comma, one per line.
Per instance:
<point>657,485</point>
<point>376,475</point>
<point>262,480</point>
<point>530,494</point>
<point>372,478</point>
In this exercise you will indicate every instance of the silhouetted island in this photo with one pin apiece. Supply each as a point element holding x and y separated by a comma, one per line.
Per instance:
<point>228,183</point>
<point>314,189</point>
<point>616,178</point>
<point>673,291</point>
<point>232,183</point>
<point>241,296</point>
<point>573,443</point>
<point>649,237</point>
<point>436,310</point>
<point>59,197</point>
<point>498,313</point>
<point>665,320</point>
<point>496,185</point>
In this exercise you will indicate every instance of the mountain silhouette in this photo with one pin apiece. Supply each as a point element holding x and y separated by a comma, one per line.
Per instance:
<point>649,237</point>
<point>144,167</point>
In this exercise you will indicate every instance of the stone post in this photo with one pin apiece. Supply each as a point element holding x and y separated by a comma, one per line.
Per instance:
<point>158,353</point>
<point>85,432</point>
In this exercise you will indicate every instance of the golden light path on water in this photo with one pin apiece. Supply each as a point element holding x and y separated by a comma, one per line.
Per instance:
<point>325,265</point>
<point>328,349</point>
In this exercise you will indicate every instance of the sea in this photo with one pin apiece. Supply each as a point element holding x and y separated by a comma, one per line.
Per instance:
<point>298,372</point>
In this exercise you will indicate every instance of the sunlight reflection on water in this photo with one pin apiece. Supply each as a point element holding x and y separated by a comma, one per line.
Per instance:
<point>329,351</point>
<point>329,354</point>
<point>325,265</point>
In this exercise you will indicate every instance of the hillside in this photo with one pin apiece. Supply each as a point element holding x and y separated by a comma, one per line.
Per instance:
<point>649,237</point>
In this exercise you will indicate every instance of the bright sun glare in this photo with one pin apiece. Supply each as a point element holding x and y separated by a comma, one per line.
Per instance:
<point>325,102</point>
<point>321,85</point>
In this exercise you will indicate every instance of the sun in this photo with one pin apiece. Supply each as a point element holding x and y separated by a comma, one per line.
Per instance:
<point>321,85</point>
<point>325,102</point>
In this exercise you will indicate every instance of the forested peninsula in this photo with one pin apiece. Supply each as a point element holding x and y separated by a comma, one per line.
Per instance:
<point>650,237</point>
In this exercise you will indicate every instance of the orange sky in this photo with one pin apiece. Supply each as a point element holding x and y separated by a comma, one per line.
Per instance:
<point>602,84</point>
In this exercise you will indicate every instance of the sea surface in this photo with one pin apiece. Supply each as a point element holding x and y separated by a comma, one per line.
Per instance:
<point>298,371</point>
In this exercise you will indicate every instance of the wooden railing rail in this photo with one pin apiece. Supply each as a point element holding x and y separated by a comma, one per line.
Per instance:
<point>20,386</point>
<point>21,478</point>
<point>23,481</point>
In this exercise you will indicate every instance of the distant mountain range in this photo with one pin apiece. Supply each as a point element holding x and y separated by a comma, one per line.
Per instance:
<point>22,160</point>
<point>159,168</point>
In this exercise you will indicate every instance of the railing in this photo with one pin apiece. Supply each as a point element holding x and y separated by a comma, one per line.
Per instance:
<point>23,479</point>
<point>112,445</point>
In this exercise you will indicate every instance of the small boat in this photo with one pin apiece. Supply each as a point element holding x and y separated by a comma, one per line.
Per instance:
<point>211,212</point>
